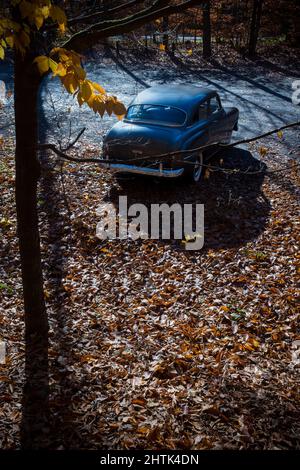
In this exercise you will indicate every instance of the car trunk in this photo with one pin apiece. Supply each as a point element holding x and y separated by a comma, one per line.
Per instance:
<point>139,140</point>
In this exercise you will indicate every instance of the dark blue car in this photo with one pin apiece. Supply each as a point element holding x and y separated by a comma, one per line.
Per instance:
<point>164,119</point>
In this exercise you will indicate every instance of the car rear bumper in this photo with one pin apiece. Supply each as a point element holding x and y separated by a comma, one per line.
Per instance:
<point>160,172</point>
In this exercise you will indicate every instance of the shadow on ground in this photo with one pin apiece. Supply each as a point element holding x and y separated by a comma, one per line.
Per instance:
<point>39,428</point>
<point>235,208</point>
<point>235,212</point>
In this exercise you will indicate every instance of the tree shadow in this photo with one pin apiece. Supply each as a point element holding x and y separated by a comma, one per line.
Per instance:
<point>40,427</point>
<point>34,432</point>
<point>120,63</point>
<point>262,61</point>
<point>235,209</point>
<point>261,410</point>
<point>250,80</point>
<point>248,104</point>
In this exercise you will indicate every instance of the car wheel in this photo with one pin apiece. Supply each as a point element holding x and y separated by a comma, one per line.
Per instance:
<point>197,169</point>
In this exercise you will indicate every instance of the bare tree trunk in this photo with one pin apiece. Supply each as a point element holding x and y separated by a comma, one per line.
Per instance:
<point>206,31</point>
<point>27,83</point>
<point>254,26</point>
<point>165,28</point>
<point>35,403</point>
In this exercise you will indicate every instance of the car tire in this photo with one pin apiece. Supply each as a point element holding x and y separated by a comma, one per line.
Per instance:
<point>194,172</point>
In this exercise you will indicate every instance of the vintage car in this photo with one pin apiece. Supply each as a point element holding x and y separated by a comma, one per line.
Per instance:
<point>165,119</point>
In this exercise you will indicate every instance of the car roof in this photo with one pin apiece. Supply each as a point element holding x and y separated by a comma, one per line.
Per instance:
<point>180,96</point>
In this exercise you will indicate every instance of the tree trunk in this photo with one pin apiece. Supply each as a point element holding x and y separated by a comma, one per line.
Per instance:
<point>35,403</point>
<point>165,26</point>
<point>27,83</point>
<point>206,31</point>
<point>254,27</point>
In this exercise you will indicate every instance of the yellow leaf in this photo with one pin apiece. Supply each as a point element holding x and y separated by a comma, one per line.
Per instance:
<point>43,63</point>
<point>38,20</point>
<point>86,90</point>
<point>224,308</point>
<point>99,88</point>
<point>53,65</point>
<point>188,237</point>
<point>10,41</point>
<point>80,99</point>
<point>57,14</point>
<point>62,27</point>
<point>60,70</point>
<point>47,294</point>
<point>74,57</point>
<point>189,52</point>
<point>139,401</point>
<point>109,105</point>
<point>91,100</point>
<point>45,11</point>
<point>119,108</point>
<point>4,222</point>
<point>62,53</point>
<point>206,174</point>
<point>1,52</point>
<point>162,47</point>
<point>97,105</point>
<point>263,151</point>
<point>280,134</point>
<point>79,72</point>
<point>70,82</point>
<point>104,250</point>
<point>144,430</point>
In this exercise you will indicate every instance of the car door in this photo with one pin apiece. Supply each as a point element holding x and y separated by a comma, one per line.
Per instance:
<point>216,120</point>
<point>197,133</point>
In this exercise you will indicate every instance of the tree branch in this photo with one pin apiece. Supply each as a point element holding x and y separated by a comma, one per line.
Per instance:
<point>97,14</point>
<point>252,139</point>
<point>64,156</point>
<point>74,141</point>
<point>87,37</point>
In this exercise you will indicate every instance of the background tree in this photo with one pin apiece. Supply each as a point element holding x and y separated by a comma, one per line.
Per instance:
<point>255,26</point>
<point>206,30</point>
<point>165,26</point>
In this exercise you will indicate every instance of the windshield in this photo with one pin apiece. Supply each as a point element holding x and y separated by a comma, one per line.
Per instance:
<point>166,115</point>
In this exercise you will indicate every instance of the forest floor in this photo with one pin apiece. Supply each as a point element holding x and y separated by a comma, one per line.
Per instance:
<point>152,346</point>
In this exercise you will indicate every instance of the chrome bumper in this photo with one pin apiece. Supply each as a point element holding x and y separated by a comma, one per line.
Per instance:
<point>122,168</point>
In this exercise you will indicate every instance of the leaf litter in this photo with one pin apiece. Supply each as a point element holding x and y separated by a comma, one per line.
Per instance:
<point>151,346</point>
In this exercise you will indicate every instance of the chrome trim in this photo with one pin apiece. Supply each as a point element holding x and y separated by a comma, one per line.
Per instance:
<point>120,168</point>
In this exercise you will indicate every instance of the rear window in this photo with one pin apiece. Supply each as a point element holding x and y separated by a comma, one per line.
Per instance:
<point>159,114</point>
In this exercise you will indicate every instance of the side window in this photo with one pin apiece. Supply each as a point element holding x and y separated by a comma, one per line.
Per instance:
<point>214,105</point>
<point>201,113</point>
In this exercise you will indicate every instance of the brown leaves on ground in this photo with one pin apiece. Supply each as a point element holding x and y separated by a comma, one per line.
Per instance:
<point>151,346</point>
